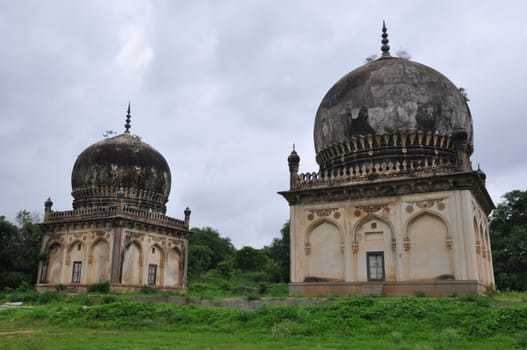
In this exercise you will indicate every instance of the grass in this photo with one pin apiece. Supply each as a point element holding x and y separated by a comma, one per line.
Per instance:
<point>110,321</point>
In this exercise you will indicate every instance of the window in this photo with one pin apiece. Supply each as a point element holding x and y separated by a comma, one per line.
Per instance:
<point>79,246</point>
<point>152,272</point>
<point>76,274</point>
<point>375,262</point>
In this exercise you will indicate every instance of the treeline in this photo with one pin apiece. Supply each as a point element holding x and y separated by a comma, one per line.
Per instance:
<point>19,250</point>
<point>212,255</point>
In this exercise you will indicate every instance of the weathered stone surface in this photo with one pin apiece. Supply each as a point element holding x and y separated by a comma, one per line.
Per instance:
<point>121,163</point>
<point>388,96</point>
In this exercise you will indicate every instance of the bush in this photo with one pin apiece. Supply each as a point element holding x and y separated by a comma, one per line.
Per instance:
<point>147,290</point>
<point>103,287</point>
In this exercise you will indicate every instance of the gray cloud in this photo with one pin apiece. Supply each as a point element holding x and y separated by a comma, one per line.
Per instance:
<point>223,89</point>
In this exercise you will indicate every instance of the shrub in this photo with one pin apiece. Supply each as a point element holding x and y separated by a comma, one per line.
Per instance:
<point>521,341</point>
<point>103,287</point>
<point>46,297</point>
<point>147,290</point>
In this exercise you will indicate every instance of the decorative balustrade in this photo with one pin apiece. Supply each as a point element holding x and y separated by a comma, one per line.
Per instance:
<point>112,211</point>
<point>371,171</point>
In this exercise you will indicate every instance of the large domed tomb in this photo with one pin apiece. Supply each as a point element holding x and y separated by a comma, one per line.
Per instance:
<point>117,231</point>
<point>395,207</point>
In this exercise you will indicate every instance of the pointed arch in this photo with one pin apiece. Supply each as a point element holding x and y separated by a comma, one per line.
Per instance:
<point>173,267</point>
<point>321,221</point>
<point>368,218</point>
<point>373,234</point>
<point>76,262</point>
<point>324,251</point>
<point>132,266</point>
<point>429,254</point>
<point>155,262</point>
<point>52,269</point>
<point>99,255</point>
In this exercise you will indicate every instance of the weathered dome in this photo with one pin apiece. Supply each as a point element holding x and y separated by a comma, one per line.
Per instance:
<point>121,167</point>
<point>389,96</point>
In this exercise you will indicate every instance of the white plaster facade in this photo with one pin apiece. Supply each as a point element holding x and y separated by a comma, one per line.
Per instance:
<point>430,237</point>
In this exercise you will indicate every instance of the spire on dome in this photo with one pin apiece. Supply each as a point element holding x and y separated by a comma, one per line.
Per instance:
<point>385,48</point>
<point>127,125</point>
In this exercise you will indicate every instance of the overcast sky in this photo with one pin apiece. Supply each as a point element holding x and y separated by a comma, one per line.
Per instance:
<point>223,88</point>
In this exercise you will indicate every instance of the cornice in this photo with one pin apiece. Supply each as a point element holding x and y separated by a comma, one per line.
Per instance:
<point>333,192</point>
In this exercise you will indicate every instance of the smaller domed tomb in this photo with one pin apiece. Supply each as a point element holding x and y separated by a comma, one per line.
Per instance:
<point>118,232</point>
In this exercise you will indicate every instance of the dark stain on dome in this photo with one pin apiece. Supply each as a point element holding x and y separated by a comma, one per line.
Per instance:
<point>387,96</point>
<point>121,163</point>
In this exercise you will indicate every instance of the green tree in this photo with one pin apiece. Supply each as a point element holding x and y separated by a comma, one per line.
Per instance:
<point>279,252</point>
<point>250,259</point>
<point>508,231</point>
<point>19,250</point>
<point>206,250</point>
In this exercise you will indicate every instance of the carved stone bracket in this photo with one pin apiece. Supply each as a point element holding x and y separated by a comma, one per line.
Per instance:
<point>449,242</point>
<point>406,243</point>
<point>307,248</point>
<point>355,247</point>
<point>90,259</point>
<point>68,260</point>
<point>478,247</point>
<point>394,243</point>
<point>342,248</point>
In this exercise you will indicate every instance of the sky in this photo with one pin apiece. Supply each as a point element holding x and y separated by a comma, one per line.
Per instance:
<point>224,88</point>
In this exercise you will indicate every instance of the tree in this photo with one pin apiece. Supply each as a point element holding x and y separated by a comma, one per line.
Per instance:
<point>206,250</point>
<point>279,252</point>
<point>508,231</point>
<point>250,259</point>
<point>19,250</point>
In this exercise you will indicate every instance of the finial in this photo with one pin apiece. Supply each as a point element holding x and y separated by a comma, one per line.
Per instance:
<point>127,125</point>
<point>385,48</point>
<point>293,146</point>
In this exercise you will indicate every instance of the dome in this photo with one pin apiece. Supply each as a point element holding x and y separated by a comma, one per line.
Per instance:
<point>381,104</point>
<point>121,166</point>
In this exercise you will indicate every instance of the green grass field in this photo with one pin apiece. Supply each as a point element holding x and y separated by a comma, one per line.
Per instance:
<point>99,321</point>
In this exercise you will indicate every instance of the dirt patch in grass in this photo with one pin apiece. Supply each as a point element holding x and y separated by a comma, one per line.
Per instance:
<point>25,331</point>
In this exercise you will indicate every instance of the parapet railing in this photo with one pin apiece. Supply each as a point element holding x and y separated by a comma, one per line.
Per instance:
<point>371,171</point>
<point>111,211</point>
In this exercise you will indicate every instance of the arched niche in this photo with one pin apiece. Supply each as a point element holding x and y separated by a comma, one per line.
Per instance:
<point>75,262</point>
<point>374,234</point>
<point>100,266</point>
<point>155,264</point>
<point>429,254</point>
<point>53,269</point>
<point>324,252</point>
<point>173,268</point>
<point>132,270</point>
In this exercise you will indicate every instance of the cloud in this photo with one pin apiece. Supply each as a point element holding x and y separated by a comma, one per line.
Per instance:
<point>223,89</point>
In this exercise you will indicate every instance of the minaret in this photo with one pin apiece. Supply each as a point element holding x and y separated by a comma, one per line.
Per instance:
<point>293,160</point>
